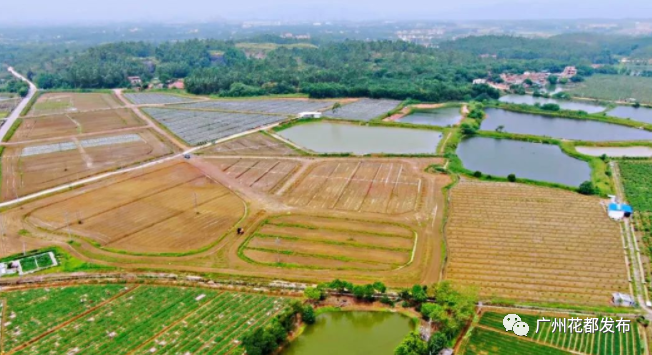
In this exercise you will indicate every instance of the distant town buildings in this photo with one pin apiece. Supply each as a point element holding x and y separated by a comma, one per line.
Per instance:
<point>135,80</point>
<point>568,72</point>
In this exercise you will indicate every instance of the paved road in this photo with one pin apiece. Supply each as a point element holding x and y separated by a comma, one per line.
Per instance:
<point>16,112</point>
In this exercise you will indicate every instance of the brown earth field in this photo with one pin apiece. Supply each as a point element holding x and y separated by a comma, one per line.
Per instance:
<point>535,244</point>
<point>256,144</point>
<point>367,186</point>
<point>291,238</point>
<point>66,102</point>
<point>173,209</point>
<point>145,219</point>
<point>23,175</point>
<point>74,124</point>
<point>261,174</point>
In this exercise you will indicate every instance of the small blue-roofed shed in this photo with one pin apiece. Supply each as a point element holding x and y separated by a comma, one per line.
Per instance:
<point>619,210</point>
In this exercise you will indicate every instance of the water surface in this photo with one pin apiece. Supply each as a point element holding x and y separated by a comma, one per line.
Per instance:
<point>564,104</point>
<point>447,116</point>
<point>535,161</point>
<point>641,114</point>
<point>557,127</point>
<point>328,137</point>
<point>634,152</point>
<point>352,333</point>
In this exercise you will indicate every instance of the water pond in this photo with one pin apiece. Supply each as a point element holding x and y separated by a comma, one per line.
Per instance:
<point>328,137</point>
<point>633,152</point>
<point>557,127</point>
<point>534,161</point>
<point>352,333</point>
<point>641,114</point>
<point>443,117</point>
<point>564,104</point>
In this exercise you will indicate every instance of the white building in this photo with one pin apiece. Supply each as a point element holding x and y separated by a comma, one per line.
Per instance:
<point>310,115</point>
<point>623,300</point>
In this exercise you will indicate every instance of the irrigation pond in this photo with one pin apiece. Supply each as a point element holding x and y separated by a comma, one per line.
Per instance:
<point>443,117</point>
<point>329,137</point>
<point>641,114</point>
<point>558,127</point>
<point>534,161</point>
<point>352,333</point>
<point>564,104</point>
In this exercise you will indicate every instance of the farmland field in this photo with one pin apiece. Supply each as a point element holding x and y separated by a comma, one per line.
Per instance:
<point>157,99</point>
<point>594,343</point>
<point>364,109</point>
<point>199,127</point>
<point>269,106</point>
<point>119,319</point>
<point>330,243</point>
<point>488,342</point>
<point>170,209</point>
<point>637,180</point>
<point>533,244</point>
<point>379,187</point>
<point>256,144</point>
<point>59,103</point>
<point>614,87</point>
<point>34,167</point>
<point>73,124</point>
<point>264,175</point>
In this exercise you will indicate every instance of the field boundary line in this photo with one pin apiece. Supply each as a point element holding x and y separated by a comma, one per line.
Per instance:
<point>164,330</point>
<point>69,321</point>
<point>268,171</point>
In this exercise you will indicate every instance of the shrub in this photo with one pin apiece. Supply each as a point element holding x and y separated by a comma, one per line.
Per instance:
<point>511,178</point>
<point>477,174</point>
<point>587,188</point>
<point>308,315</point>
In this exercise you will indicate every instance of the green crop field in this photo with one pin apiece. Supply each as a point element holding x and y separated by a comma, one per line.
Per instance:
<point>133,319</point>
<point>595,343</point>
<point>637,180</point>
<point>485,342</point>
<point>614,87</point>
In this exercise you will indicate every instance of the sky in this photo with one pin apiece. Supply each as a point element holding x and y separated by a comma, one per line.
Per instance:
<point>47,12</point>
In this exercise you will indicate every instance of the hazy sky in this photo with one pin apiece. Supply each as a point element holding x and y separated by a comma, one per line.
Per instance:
<point>93,11</point>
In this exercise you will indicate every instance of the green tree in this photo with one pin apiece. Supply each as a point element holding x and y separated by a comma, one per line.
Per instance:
<point>511,178</point>
<point>379,286</point>
<point>469,129</point>
<point>336,106</point>
<point>314,294</point>
<point>308,315</point>
<point>412,345</point>
<point>418,294</point>
<point>587,188</point>
<point>553,80</point>
<point>437,343</point>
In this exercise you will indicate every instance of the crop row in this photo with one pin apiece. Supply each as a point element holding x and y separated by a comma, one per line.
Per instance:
<point>365,109</point>
<point>122,324</point>
<point>32,312</point>
<point>484,342</point>
<point>217,327</point>
<point>637,180</point>
<point>199,127</point>
<point>156,99</point>
<point>594,343</point>
<point>276,106</point>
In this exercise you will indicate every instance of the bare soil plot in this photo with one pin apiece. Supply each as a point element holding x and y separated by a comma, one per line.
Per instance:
<point>533,244</point>
<point>38,166</point>
<point>72,124</point>
<point>264,175</point>
<point>67,102</point>
<point>255,144</point>
<point>170,210</point>
<point>379,187</point>
<point>330,243</point>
